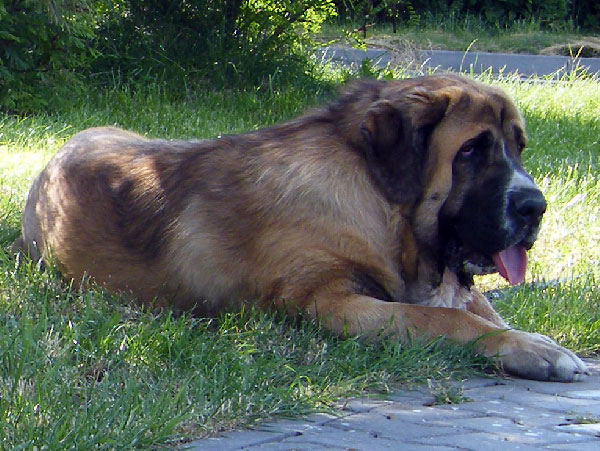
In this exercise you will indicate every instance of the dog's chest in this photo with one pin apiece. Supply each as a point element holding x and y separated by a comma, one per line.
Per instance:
<point>450,293</point>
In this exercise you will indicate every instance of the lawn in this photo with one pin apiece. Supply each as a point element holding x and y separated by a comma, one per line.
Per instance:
<point>86,369</point>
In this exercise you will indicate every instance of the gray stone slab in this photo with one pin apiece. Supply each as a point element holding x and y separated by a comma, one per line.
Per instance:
<point>495,425</point>
<point>395,427</point>
<point>478,442</point>
<point>339,439</point>
<point>481,382</point>
<point>587,429</point>
<point>494,392</point>
<point>313,422</point>
<point>555,403</point>
<point>424,415</point>
<point>237,440</point>
<point>531,417</point>
<point>587,389</point>
<point>313,444</point>
<point>519,414</point>
<point>363,404</point>
<point>504,440</point>
<point>485,406</point>
<point>411,398</point>
<point>581,446</point>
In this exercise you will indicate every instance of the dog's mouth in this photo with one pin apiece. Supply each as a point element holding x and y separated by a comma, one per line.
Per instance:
<point>510,263</point>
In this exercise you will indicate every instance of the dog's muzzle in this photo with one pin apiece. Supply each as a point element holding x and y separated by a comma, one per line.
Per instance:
<point>526,206</point>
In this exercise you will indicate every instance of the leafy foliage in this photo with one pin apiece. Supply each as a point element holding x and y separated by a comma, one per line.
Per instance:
<point>46,45</point>
<point>496,13</point>
<point>220,42</point>
<point>41,44</point>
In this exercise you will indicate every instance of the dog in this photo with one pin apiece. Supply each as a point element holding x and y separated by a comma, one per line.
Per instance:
<point>371,215</point>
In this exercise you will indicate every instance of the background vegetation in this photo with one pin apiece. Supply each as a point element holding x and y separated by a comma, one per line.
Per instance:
<point>52,51</point>
<point>495,13</point>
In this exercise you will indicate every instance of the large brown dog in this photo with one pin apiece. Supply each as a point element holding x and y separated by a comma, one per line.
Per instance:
<point>371,213</point>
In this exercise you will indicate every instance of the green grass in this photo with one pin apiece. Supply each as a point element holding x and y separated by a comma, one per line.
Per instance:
<point>468,33</point>
<point>86,369</point>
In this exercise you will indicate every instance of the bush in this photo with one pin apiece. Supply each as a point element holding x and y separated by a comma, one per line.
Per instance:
<point>42,45</point>
<point>220,41</point>
<point>496,13</point>
<point>586,13</point>
<point>49,47</point>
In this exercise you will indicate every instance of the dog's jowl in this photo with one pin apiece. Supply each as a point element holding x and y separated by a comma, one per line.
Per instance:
<point>373,212</point>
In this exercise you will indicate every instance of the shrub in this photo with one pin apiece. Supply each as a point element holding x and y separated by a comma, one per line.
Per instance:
<point>222,41</point>
<point>496,13</point>
<point>43,44</point>
<point>48,47</point>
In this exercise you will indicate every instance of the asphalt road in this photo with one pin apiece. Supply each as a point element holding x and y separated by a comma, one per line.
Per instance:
<point>475,62</point>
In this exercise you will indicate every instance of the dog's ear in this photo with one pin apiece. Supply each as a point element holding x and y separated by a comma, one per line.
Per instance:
<point>396,130</point>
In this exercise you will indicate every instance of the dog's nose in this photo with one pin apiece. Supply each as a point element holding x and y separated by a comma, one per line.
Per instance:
<point>529,204</point>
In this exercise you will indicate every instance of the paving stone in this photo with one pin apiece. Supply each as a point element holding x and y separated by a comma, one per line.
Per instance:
<point>587,429</point>
<point>371,446</point>
<point>423,415</point>
<point>498,391</point>
<point>495,424</point>
<point>394,427</point>
<point>321,418</point>
<point>313,422</point>
<point>287,427</point>
<point>315,445</point>
<point>412,397</point>
<point>583,394</point>
<point>363,405</point>
<point>492,406</point>
<point>344,439</point>
<point>581,446</point>
<point>477,442</point>
<point>588,389</point>
<point>502,440</point>
<point>552,402</point>
<point>526,416</point>
<point>236,440</point>
<point>479,382</point>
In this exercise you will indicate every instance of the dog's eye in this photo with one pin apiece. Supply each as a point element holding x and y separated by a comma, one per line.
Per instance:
<point>476,145</point>
<point>467,150</point>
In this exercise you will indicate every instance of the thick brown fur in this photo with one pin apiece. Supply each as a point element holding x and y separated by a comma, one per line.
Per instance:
<point>316,215</point>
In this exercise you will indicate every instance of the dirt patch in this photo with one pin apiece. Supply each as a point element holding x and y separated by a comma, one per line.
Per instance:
<point>584,48</point>
<point>402,51</point>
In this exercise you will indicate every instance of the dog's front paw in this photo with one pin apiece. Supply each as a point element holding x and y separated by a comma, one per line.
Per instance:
<point>535,356</point>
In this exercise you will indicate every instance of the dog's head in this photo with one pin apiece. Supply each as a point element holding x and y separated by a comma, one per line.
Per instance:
<point>451,148</point>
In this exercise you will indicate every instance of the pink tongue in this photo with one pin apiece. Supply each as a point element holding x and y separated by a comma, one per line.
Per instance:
<point>511,264</point>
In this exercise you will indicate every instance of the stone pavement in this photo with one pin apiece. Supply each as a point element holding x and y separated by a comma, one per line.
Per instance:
<point>500,414</point>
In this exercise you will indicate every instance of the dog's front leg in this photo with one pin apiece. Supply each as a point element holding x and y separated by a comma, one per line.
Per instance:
<point>481,306</point>
<point>524,354</point>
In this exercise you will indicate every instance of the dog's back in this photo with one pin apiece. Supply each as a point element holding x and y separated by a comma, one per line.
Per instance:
<point>184,223</point>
